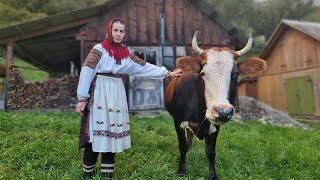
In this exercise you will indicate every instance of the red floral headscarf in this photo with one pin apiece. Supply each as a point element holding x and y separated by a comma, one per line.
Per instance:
<point>117,50</point>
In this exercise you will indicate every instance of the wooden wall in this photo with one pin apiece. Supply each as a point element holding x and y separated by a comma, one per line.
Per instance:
<point>142,19</point>
<point>294,51</point>
<point>248,88</point>
<point>295,55</point>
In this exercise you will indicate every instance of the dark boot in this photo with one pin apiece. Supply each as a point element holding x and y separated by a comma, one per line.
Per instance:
<point>107,171</point>
<point>88,176</point>
<point>89,161</point>
<point>107,165</point>
<point>107,175</point>
<point>88,172</point>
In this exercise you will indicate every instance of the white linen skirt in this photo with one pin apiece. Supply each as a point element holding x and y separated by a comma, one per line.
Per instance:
<point>109,126</point>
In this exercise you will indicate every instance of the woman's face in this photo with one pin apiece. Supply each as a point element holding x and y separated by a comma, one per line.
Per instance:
<point>118,32</point>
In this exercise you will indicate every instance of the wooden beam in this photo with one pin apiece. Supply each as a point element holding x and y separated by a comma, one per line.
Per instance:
<point>47,30</point>
<point>82,56</point>
<point>30,57</point>
<point>25,67</point>
<point>9,63</point>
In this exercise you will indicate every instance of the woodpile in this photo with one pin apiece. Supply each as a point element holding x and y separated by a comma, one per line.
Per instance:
<point>51,93</point>
<point>2,70</point>
<point>252,109</point>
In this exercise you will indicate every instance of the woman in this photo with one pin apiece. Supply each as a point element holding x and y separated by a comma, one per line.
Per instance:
<point>102,101</point>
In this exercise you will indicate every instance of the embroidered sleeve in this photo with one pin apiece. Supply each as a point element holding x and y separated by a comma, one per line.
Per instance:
<point>86,77</point>
<point>93,58</point>
<point>138,60</point>
<point>147,70</point>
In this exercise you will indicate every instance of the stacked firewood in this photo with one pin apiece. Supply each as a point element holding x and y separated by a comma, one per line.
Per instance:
<point>2,70</point>
<point>51,93</point>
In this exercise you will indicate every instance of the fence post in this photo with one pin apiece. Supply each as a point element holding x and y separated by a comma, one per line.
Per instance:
<point>9,63</point>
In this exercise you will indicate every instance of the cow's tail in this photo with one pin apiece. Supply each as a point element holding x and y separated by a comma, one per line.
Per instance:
<point>170,90</point>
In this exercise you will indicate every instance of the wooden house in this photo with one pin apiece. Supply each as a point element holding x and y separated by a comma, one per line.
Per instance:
<point>157,30</point>
<point>248,87</point>
<point>291,82</point>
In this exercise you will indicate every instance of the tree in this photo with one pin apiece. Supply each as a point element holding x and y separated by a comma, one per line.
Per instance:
<point>313,15</point>
<point>261,17</point>
<point>269,13</point>
<point>13,15</point>
<point>15,11</point>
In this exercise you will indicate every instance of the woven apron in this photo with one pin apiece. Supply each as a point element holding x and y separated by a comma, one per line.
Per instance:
<point>109,128</point>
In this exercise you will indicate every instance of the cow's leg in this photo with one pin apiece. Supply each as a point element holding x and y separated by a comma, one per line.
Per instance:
<point>210,142</point>
<point>183,147</point>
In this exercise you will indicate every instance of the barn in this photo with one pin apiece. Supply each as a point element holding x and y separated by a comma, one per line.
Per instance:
<point>157,30</point>
<point>291,82</point>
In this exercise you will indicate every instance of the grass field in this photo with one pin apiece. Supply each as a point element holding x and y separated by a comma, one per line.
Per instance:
<point>27,74</point>
<point>41,146</point>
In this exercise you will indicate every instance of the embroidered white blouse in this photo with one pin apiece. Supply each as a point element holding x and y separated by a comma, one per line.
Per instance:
<point>107,64</point>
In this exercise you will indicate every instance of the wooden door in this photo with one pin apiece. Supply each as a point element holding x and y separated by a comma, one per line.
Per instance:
<point>146,93</point>
<point>300,96</point>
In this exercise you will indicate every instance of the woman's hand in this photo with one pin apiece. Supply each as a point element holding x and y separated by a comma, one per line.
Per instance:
<point>176,72</point>
<point>80,107</point>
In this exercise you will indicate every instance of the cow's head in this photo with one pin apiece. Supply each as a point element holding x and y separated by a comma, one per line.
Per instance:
<point>217,63</point>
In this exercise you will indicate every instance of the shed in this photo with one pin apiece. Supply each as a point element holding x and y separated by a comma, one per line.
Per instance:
<point>291,82</point>
<point>157,30</point>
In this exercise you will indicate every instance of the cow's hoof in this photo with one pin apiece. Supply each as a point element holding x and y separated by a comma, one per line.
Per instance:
<point>182,170</point>
<point>180,173</point>
<point>213,176</point>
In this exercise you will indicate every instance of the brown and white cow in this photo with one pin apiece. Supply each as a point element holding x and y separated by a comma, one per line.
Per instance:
<point>205,95</point>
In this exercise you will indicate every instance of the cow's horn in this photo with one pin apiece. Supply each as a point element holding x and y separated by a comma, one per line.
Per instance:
<point>195,46</point>
<point>246,48</point>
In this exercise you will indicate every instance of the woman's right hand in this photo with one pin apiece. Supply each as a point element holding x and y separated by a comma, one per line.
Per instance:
<point>80,107</point>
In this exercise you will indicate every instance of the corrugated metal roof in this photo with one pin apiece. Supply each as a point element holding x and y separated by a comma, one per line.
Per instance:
<point>311,29</point>
<point>50,21</point>
<point>207,9</point>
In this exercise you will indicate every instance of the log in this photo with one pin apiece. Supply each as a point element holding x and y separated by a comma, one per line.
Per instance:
<point>51,93</point>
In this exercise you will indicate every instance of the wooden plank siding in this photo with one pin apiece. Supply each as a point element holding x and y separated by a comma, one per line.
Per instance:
<point>294,51</point>
<point>295,55</point>
<point>142,19</point>
<point>271,89</point>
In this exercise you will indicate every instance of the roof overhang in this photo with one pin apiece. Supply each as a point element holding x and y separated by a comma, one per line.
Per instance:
<point>309,28</point>
<point>50,42</point>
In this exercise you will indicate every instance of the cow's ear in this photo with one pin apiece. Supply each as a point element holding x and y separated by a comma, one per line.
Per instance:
<point>188,64</point>
<point>202,58</point>
<point>252,66</point>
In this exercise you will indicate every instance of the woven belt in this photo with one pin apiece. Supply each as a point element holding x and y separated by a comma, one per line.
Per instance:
<point>111,75</point>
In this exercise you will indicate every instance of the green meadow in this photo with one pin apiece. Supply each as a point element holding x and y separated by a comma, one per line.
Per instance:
<point>38,145</point>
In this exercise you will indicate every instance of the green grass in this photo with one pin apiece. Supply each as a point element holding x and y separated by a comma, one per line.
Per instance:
<point>28,75</point>
<point>36,145</point>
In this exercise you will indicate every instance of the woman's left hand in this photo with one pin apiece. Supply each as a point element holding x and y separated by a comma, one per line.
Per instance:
<point>176,72</point>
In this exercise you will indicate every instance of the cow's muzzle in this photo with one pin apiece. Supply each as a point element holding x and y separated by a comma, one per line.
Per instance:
<point>224,114</point>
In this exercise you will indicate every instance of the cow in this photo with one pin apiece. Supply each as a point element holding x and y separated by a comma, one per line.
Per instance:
<point>205,96</point>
